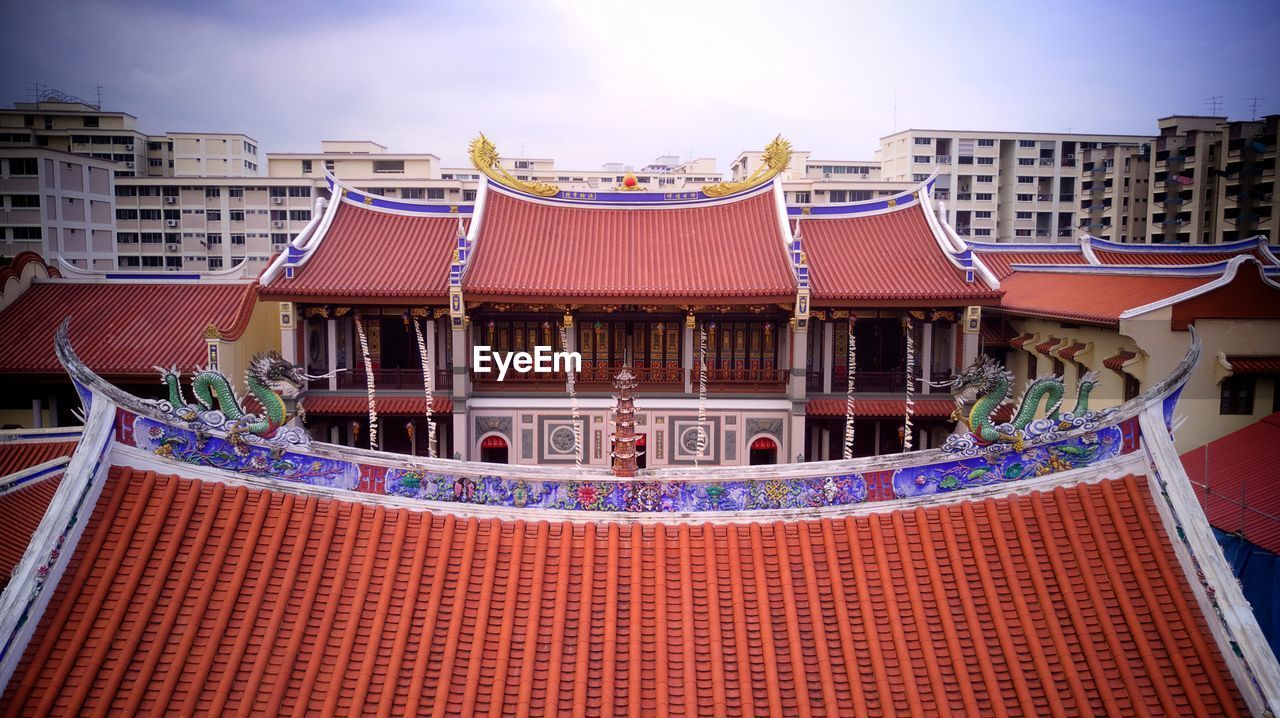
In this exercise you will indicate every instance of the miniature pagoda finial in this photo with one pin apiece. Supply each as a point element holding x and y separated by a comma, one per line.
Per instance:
<point>624,455</point>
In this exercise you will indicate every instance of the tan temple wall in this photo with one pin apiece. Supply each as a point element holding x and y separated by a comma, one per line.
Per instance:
<point>1159,349</point>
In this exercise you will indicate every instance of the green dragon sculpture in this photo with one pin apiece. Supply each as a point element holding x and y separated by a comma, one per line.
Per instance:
<point>984,387</point>
<point>270,379</point>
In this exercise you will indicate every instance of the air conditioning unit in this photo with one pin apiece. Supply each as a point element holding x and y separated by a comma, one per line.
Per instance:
<point>277,223</point>
<point>171,222</point>
<point>277,200</point>
<point>173,269</point>
<point>128,148</point>
<point>172,247</point>
<point>170,200</point>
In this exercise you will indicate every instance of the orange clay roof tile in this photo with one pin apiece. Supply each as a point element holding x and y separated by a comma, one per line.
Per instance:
<point>201,597</point>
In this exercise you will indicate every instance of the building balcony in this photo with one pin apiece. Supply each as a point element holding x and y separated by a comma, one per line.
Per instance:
<point>942,160</point>
<point>401,379</point>
<point>740,376</point>
<point>1066,197</point>
<point>963,196</point>
<point>647,375</point>
<point>1068,162</point>
<point>941,194</point>
<point>1064,232</point>
<point>963,231</point>
<point>1044,197</point>
<point>1046,162</point>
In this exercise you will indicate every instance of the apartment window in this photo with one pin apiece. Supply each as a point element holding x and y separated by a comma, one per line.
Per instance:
<point>299,192</point>
<point>154,237</point>
<point>28,233</point>
<point>981,232</point>
<point>924,140</point>
<point>125,191</point>
<point>173,262</point>
<point>388,166</point>
<point>1027,143</point>
<point>982,214</point>
<point>279,239</point>
<point>1023,179</point>
<point>1022,233</point>
<point>237,215</point>
<point>468,195</point>
<point>212,191</point>
<point>1026,161</point>
<point>922,159</point>
<point>126,262</point>
<point>300,215</point>
<point>328,165</point>
<point>435,193</point>
<point>23,166</point>
<point>237,239</point>
<point>126,214</point>
<point>24,200</point>
<point>214,215</point>
<point>91,121</point>
<point>235,191</point>
<point>1025,197</point>
<point>153,262</point>
<point>1237,395</point>
<point>985,179</point>
<point>173,214</point>
<point>412,193</point>
<point>279,215</point>
<point>986,143</point>
<point>155,163</point>
<point>1024,215</point>
<point>1032,368</point>
<point>215,263</point>
<point>919,177</point>
<point>213,238</point>
<point>986,160</point>
<point>983,196</point>
<point>802,198</point>
<point>126,237</point>
<point>250,149</point>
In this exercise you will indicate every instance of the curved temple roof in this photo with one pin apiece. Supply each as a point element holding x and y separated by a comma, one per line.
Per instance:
<point>887,250</point>
<point>161,578</point>
<point>729,249</point>
<point>369,248</point>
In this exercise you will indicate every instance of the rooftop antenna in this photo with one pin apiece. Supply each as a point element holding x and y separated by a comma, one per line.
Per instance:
<point>98,96</point>
<point>895,107</point>
<point>1213,105</point>
<point>1253,106</point>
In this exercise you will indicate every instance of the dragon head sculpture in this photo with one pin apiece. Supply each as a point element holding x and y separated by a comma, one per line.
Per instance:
<point>985,377</point>
<point>274,372</point>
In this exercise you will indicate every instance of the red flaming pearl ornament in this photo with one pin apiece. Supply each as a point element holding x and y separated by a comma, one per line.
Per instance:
<point>629,181</point>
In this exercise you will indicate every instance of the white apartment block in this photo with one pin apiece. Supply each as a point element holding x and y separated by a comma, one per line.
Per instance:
<point>1115,191</point>
<point>57,204</point>
<point>83,129</point>
<point>207,223</point>
<point>368,166</point>
<point>811,181</point>
<point>998,186</point>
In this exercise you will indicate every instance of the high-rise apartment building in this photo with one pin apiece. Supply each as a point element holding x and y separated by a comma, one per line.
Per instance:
<point>74,126</point>
<point>999,186</point>
<point>1213,180</point>
<point>58,205</point>
<point>1114,191</point>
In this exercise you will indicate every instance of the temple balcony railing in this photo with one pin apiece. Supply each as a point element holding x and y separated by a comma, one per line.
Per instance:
<point>740,375</point>
<point>406,379</point>
<point>646,375</point>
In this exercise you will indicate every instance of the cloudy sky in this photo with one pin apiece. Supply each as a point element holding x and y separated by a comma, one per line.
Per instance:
<point>589,82</point>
